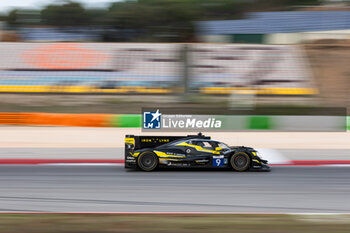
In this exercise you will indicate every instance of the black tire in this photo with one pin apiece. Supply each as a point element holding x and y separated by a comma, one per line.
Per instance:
<point>240,161</point>
<point>147,161</point>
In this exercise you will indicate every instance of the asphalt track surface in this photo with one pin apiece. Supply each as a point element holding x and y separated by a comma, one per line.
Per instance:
<point>118,153</point>
<point>97,188</point>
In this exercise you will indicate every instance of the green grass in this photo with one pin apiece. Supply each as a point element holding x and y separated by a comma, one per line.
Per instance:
<point>89,223</point>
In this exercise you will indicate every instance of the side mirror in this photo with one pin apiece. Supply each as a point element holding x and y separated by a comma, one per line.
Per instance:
<point>218,148</point>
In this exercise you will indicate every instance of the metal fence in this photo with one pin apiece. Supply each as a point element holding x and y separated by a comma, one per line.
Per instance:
<point>153,68</point>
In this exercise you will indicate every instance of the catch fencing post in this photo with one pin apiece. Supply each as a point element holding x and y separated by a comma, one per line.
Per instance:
<point>185,70</point>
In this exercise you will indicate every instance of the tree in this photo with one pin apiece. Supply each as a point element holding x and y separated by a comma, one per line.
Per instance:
<point>12,17</point>
<point>148,20</point>
<point>67,14</point>
<point>154,20</point>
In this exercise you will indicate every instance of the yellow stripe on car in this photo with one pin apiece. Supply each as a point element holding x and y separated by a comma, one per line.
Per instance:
<point>130,140</point>
<point>198,148</point>
<point>164,155</point>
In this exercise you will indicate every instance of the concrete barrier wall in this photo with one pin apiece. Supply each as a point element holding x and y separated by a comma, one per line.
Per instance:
<point>277,123</point>
<point>155,68</point>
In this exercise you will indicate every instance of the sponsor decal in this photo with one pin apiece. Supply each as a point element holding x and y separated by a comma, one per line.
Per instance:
<point>65,56</point>
<point>155,140</point>
<point>152,120</point>
<point>157,120</point>
<point>192,123</point>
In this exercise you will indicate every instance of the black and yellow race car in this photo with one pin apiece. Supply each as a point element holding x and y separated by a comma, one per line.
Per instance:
<point>149,152</point>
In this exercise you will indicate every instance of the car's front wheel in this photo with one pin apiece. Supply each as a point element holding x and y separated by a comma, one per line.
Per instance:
<point>147,161</point>
<point>240,161</point>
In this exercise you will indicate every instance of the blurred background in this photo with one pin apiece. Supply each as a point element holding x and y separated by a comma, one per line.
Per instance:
<point>97,63</point>
<point>119,56</point>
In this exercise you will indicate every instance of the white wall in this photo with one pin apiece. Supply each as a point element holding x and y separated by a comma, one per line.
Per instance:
<point>294,38</point>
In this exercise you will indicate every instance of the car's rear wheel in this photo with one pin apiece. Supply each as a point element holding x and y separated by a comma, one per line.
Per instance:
<point>240,161</point>
<point>147,161</point>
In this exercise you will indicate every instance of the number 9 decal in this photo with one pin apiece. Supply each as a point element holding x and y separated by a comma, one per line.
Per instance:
<point>218,162</point>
